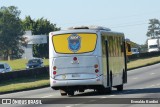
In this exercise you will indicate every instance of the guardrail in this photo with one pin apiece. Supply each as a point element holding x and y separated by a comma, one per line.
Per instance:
<point>28,73</point>
<point>144,55</point>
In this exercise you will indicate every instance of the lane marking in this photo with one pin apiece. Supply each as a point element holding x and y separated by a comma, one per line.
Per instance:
<point>135,78</point>
<point>77,104</point>
<point>158,84</point>
<point>103,97</point>
<point>112,95</point>
<point>68,106</point>
<point>47,96</point>
<point>152,73</point>
<point>152,85</point>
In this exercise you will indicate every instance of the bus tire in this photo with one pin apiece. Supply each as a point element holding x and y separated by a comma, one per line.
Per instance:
<point>100,91</point>
<point>119,87</point>
<point>70,93</point>
<point>124,77</point>
<point>81,90</point>
<point>108,90</point>
<point>63,93</point>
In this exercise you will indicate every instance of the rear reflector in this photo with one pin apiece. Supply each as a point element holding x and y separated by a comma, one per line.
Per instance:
<point>96,66</point>
<point>54,68</point>
<point>75,58</point>
<point>96,70</point>
<point>54,72</point>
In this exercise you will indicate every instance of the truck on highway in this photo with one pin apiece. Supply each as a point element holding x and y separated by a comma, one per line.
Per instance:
<point>87,58</point>
<point>154,45</point>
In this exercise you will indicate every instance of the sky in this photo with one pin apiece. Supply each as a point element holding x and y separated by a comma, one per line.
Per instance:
<point>128,16</point>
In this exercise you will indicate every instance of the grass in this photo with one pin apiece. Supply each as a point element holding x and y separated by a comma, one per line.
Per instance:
<point>143,62</point>
<point>23,84</point>
<point>20,64</point>
<point>28,83</point>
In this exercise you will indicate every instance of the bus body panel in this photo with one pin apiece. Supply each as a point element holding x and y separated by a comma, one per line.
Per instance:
<point>116,58</point>
<point>66,66</point>
<point>76,82</point>
<point>82,72</point>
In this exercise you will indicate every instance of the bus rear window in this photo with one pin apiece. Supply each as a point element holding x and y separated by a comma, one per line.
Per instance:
<point>74,43</point>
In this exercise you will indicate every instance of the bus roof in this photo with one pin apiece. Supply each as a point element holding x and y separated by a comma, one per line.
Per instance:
<point>90,27</point>
<point>84,29</point>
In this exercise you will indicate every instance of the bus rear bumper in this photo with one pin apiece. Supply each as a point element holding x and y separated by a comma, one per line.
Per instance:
<point>69,83</point>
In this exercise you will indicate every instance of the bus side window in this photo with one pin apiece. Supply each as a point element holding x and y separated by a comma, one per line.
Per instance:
<point>129,47</point>
<point>103,46</point>
<point>122,45</point>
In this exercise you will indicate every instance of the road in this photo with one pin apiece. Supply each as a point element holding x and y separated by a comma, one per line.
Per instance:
<point>142,83</point>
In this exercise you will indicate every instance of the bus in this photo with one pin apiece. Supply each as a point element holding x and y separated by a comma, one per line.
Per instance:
<point>128,47</point>
<point>84,58</point>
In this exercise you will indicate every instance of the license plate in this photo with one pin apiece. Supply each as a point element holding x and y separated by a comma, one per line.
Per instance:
<point>75,75</point>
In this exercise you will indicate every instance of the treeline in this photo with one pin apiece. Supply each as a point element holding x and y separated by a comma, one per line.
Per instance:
<point>12,27</point>
<point>38,27</point>
<point>153,28</point>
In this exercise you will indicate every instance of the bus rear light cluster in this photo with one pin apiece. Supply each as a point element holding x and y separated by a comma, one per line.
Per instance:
<point>96,68</point>
<point>75,58</point>
<point>54,70</point>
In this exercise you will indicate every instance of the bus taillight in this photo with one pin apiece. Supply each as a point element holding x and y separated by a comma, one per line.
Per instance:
<point>54,72</point>
<point>96,66</point>
<point>96,70</point>
<point>75,58</point>
<point>54,68</point>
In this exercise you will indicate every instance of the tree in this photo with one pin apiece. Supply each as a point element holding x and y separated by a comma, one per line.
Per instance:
<point>28,24</point>
<point>38,27</point>
<point>153,28</point>
<point>10,31</point>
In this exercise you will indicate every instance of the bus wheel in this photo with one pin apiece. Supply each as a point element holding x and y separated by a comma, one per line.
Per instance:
<point>119,87</point>
<point>104,90</point>
<point>81,90</point>
<point>100,91</point>
<point>108,90</point>
<point>70,93</point>
<point>63,93</point>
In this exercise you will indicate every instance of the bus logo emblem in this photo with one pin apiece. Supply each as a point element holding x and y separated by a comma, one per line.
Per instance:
<point>74,42</point>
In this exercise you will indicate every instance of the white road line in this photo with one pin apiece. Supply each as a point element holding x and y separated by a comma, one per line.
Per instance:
<point>103,97</point>
<point>135,78</point>
<point>47,96</point>
<point>76,104</point>
<point>150,86</point>
<point>68,106</point>
<point>152,73</point>
<point>158,84</point>
<point>153,85</point>
<point>112,95</point>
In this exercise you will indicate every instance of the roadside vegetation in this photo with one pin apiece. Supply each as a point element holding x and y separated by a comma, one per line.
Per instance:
<point>20,64</point>
<point>143,62</point>
<point>23,84</point>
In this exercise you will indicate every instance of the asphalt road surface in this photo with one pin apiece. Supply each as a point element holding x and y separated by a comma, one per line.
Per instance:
<point>143,83</point>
